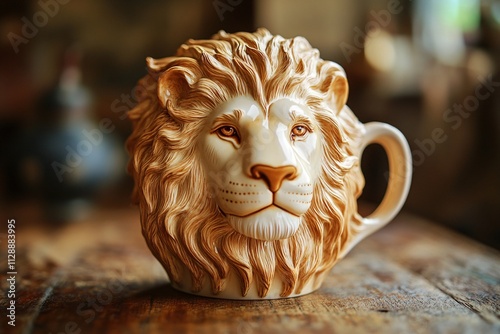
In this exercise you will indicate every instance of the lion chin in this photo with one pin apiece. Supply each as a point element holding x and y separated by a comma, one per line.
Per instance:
<point>269,224</point>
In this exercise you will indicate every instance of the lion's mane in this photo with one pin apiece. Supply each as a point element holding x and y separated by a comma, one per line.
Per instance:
<point>180,220</point>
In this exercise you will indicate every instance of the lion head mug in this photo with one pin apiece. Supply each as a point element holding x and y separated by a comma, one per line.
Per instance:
<point>246,163</point>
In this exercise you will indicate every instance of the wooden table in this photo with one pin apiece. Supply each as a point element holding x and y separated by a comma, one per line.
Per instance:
<point>97,276</point>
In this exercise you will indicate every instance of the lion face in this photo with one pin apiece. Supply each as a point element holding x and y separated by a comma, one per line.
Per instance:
<point>262,164</point>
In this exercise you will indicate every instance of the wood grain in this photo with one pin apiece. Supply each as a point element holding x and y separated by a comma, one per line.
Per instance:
<point>97,276</point>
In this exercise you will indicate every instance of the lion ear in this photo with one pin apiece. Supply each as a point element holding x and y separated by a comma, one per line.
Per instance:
<point>176,76</point>
<point>336,88</point>
<point>173,85</point>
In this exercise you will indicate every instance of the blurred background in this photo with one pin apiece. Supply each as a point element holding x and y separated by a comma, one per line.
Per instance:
<point>429,67</point>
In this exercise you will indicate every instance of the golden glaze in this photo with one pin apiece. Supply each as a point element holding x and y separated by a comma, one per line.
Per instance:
<point>182,131</point>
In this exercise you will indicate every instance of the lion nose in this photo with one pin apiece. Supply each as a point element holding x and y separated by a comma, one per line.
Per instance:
<point>273,176</point>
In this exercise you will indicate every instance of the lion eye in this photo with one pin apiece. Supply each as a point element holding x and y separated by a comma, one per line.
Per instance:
<point>299,131</point>
<point>229,132</point>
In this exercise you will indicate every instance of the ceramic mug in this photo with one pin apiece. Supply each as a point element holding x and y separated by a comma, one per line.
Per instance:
<point>246,162</point>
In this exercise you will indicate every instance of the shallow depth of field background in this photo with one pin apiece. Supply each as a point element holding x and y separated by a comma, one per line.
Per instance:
<point>428,67</point>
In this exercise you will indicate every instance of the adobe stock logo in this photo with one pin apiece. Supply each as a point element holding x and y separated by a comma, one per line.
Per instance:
<point>222,6</point>
<point>30,28</point>
<point>378,19</point>
<point>454,118</point>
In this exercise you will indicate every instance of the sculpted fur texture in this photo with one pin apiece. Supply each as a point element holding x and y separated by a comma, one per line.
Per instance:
<point>184,221</point>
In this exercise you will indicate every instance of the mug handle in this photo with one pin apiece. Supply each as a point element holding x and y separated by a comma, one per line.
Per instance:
<point>400,172</point>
